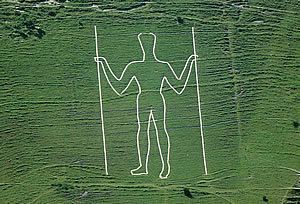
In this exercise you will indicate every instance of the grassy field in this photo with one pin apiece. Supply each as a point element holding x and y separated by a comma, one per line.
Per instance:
<point>51,148</point>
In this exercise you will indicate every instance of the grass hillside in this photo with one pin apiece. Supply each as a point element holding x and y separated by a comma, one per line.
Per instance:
<point>51,148</point>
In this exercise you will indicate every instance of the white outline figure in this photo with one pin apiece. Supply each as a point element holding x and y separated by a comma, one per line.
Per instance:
<point>151,115</point>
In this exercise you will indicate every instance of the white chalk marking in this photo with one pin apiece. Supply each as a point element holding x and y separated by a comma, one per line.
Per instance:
<point>151,115</point>
<point>199,104</point>
<point>101,107</point>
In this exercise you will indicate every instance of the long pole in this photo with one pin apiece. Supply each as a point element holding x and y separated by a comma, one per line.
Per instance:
<point>100,100</point>
<point>199,104</point>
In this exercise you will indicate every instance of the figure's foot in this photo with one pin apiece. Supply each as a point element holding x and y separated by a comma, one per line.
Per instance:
<point>164,174</point>
<point>141,170</point>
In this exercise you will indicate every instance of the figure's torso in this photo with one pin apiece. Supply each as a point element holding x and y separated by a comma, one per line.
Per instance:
<point>149,74</point>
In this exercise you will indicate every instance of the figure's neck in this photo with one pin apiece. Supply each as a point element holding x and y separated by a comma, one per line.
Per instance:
<point>149,54</point>
<point>149,57</point>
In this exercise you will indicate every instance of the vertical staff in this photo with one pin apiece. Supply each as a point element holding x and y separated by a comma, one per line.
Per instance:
<point>100,100</point>
<point>199,104</point>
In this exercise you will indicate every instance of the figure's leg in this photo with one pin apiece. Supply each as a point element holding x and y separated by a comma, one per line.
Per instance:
<point>163,141</point>
<point>142,141</point>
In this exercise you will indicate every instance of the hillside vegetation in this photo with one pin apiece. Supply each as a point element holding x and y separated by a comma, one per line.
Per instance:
<point>51,148</point>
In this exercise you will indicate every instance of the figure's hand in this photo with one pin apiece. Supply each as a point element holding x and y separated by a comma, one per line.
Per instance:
<point>99,59</point>
<point>195,56</point>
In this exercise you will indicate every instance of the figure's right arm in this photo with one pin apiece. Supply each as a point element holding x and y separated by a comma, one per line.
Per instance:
<point>178,83</point>
<point>118,84</point>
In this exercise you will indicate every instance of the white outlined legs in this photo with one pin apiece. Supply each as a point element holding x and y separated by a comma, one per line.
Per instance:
<point>163,174</point>
<point>161,134</point>
<point>167,76</point>
<point>142,169</point>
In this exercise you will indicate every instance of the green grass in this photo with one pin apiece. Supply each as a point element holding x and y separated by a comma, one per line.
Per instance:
<point>51,147</point>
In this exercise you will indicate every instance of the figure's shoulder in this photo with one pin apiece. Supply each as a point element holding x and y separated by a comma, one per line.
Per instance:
<point>134,63</point>
<point>166,64</point>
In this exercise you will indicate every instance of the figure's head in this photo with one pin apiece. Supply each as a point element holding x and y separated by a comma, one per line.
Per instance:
<point>147,42</point>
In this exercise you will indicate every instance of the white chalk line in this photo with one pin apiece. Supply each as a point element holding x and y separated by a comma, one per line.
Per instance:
<point>199,105</point>
<point>101,107</point>
<point>151,113</point>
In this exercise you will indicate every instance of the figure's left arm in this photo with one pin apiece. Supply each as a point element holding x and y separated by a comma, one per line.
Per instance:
<point>118,84</point>
<point>178,83</point>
